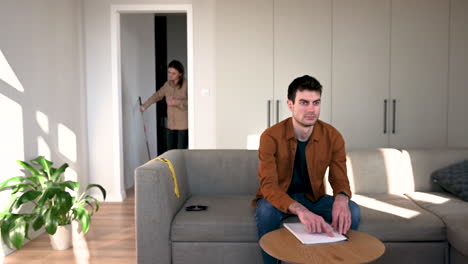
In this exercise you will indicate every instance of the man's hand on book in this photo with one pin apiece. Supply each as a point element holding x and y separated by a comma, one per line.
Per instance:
<point>313,223</point>
<point>341,215</point>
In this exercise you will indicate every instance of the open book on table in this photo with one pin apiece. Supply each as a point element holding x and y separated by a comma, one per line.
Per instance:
<point>300,232</point>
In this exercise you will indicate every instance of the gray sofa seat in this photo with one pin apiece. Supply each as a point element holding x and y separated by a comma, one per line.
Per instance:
<point>395,218</point>
<point>452,211</point>
<point>229,218</point>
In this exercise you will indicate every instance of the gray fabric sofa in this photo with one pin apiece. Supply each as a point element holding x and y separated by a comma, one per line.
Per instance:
<point>417,221</point>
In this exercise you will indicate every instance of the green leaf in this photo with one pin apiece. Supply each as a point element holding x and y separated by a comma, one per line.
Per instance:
<point>13,230</point>
<point>4,214</point>
<point>48,194</point>
<point>23,187</point>
<point>38,223</point>
<point>83,216</point>
<point>33,179</point>
<point>72,185</point>
<point>42,180</point>
<point>26,228</point>
<point>51,221</point>
<point>18,232</point>
<point>11,203</point>
<point>92,207</point>
<point>98,186</point>
<point>63,202</point>
<point>28,166</point>
<point>27,197</point>
<point>95,200</point>
<point>56,173</point>
<point>44,163</point>
<point>12,182</point>
<point>7,227</point>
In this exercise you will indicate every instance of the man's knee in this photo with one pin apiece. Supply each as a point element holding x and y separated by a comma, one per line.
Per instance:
<point>265,209</point>
<point>355,214</point>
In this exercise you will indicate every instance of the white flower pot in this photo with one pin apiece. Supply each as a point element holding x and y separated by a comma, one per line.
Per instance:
<point>62,239</point>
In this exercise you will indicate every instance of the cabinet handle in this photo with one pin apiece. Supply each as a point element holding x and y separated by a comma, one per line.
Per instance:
<point>277,110</point>
<point>268,112</point>
<point>385,117</point>
<point>394,116</point>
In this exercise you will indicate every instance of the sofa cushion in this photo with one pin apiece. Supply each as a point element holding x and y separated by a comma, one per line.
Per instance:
<point>229,218</point>
<point>452,211</point>
<point>393,218</point>
<point>454,179</point>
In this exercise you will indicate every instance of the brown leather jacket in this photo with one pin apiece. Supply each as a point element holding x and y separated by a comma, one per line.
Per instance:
<point>326,148</point>
<point>177,116</point>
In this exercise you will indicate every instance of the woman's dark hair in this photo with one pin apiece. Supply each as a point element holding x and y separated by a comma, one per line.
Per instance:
<point>305,82</point>
<point>180,68</point>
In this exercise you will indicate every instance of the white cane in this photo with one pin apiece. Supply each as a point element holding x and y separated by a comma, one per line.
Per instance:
<point>144,128</point>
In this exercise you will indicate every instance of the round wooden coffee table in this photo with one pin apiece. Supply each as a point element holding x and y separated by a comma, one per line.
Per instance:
<point>360,248</point>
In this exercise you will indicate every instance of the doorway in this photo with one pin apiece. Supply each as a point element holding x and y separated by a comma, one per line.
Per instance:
<point>148,43</point>
<point>123,172</point>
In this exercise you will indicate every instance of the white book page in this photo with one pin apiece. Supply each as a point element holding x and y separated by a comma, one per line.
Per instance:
<point>300,232</point>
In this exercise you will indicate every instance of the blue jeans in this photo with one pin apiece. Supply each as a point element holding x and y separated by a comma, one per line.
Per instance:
<point>269,218</point>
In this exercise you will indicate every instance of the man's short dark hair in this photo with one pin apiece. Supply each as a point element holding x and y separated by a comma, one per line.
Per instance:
<point>305,82</point>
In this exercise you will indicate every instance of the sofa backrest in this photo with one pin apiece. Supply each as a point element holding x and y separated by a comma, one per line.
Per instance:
<point>420,163</point>
<point>222,171</point>
<point>370,171</point>
<point>397,171</point>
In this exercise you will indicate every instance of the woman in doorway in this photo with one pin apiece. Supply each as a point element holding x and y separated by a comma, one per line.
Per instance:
<point>175,92</point>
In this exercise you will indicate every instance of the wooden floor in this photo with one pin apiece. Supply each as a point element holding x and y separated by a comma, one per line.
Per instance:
<point>110,239</point>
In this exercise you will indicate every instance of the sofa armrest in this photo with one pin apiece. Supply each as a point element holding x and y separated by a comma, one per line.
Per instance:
<point>156,206</point>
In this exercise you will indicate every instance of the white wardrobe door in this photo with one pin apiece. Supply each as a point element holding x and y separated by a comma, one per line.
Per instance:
<point>419,72</point>
<point>458,94</point>
<point>361,62</point>
<point>244,63</point>
<point>302,45</point>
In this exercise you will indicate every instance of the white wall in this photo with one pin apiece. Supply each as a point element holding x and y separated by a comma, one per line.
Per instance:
<point>102,134</point>
<point>177,38</point>
<point>41,94</point>
<point>458,79</point>
<point>138,79</point>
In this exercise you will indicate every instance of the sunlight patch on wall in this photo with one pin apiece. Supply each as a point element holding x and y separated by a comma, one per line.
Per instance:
<point>67,142</point>
<point>42,121</point>
<point>11,137</point>
<point>43,148</point>
<point>11,148</point>
<point>253,141</point>
<point>377,205</point>
<point>8,75</point>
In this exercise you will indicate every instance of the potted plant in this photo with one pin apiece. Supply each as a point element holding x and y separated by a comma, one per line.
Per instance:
<point>44,199</point>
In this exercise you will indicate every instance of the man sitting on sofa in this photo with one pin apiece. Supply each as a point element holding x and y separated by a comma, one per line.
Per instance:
<point>293,157</point>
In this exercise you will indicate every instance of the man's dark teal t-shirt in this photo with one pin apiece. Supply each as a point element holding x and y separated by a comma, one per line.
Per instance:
<point>300,181</point>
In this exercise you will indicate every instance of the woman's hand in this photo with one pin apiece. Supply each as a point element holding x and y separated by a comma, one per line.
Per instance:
<point>171,101</point>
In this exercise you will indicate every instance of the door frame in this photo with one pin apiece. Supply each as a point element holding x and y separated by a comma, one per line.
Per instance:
<point>116,81</point>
